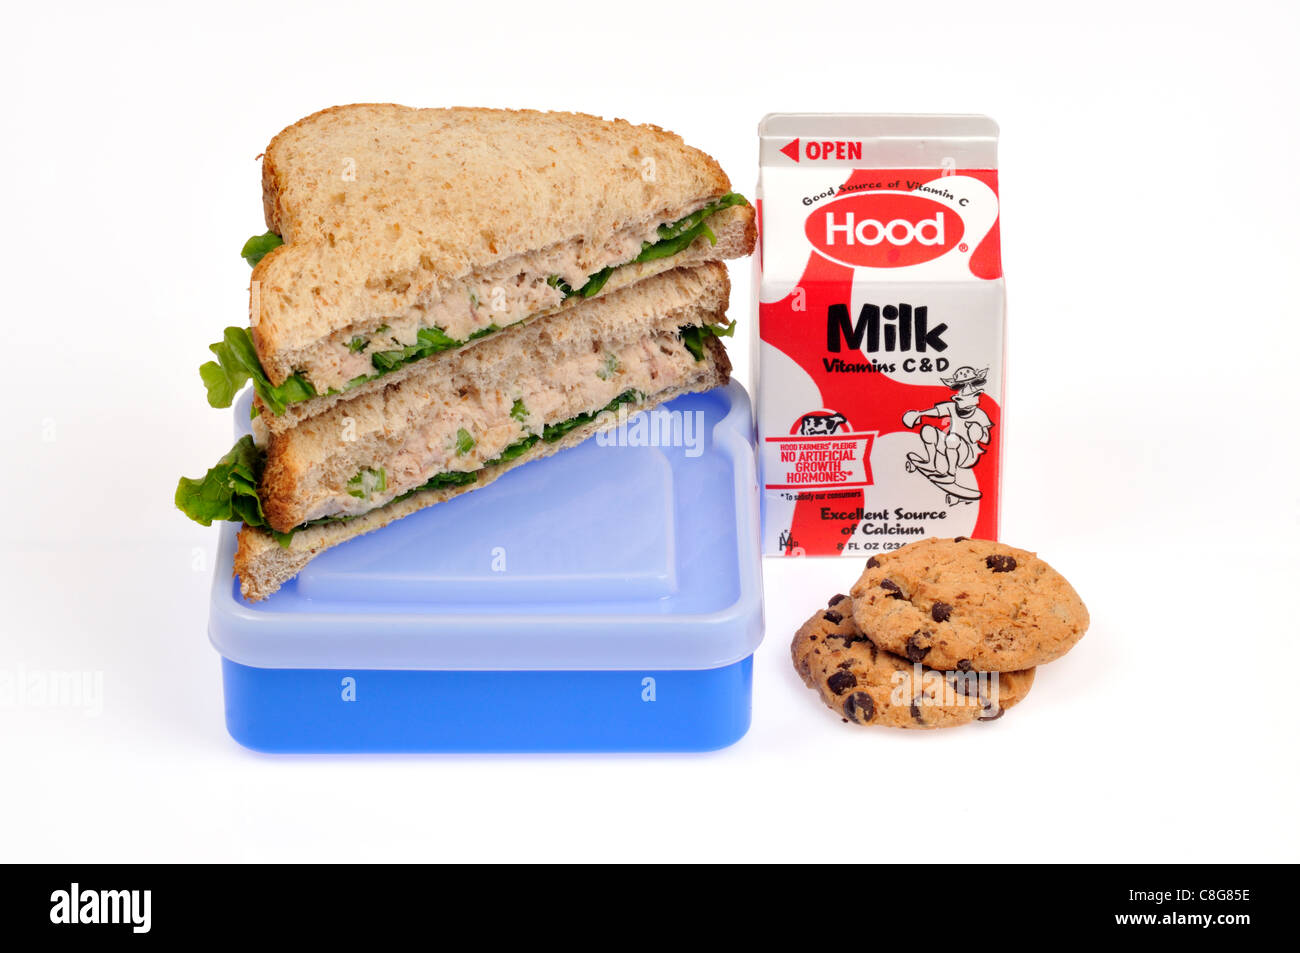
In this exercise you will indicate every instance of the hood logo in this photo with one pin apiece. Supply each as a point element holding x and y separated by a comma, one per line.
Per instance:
<point>884,230</point>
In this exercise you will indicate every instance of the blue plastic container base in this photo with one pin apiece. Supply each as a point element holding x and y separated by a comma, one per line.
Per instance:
<point>319,710</point>
<point>607,598</point>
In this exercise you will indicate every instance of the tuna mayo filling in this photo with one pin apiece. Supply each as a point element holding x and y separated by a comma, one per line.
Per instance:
<point>481,426</point>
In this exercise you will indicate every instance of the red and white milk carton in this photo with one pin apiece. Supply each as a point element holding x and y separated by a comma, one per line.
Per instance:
<point>881,320</point>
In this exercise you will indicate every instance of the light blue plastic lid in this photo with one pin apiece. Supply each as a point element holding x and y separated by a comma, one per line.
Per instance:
<point>610,555</point>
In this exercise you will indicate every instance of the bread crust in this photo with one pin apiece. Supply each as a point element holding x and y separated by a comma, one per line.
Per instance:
<point>276,206</point>
<point>263,565</point>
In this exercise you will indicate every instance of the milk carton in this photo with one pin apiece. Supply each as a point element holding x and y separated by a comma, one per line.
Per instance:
<point>881,325</point>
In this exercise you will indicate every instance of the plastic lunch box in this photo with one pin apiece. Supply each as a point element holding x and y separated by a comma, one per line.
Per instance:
<point>608,598</point>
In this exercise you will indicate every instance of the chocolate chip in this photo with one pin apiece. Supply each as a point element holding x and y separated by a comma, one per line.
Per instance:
<point>860,707</point>
<point>849,637</point>
<point>915,651</point>
<point>841,682</point>
<point>891,587</point>
<point>997,713</point>
<point>940,611</point>
<point>1000,563</point>
<point>963,665</point>
<point>873,562</point>
<point>959,539</point>
<point>915,708</point>
<point>838,597</point>
<point>831,616</point>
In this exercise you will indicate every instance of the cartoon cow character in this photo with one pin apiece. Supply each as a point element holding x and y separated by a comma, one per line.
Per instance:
<point>821,425</point>
<point>950,456</point>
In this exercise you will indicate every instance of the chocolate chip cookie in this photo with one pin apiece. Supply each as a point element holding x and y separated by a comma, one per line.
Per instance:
<point>968,605</point>
<point>869,686</point>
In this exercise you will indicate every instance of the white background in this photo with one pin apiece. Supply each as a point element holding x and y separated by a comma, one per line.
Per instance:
<point>1149,227</point>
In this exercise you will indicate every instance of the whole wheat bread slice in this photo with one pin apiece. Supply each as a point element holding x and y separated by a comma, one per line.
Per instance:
<point>388,211</point>
<point>263,565</point>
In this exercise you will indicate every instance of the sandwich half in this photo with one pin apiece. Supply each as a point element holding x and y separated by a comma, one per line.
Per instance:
<point>447,428</point>
<point>397,235</point>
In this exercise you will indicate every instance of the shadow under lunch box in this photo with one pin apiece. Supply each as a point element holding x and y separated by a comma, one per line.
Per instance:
<point>607,598</point>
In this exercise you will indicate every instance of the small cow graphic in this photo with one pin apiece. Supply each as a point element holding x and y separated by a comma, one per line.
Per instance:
<point>821,424</point>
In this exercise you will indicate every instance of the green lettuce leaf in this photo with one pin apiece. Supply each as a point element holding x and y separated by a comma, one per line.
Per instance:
<point>596,282</point>
<point>674,238</point>
<point>237,364</point>
<point>553,432</point>
<point>429,341</point>
<point>444,480</point>
<point>228,491</point>
<point>259,246</point>
<point>515,450</point>
<point>681,234</point>
<point>693,336</point>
